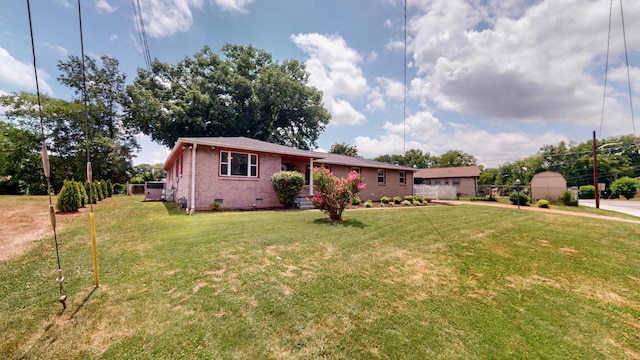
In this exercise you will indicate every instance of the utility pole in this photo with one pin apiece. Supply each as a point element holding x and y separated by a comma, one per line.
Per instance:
<point>595,171</point>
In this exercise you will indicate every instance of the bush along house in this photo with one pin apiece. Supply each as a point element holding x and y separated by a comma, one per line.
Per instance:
<point>236,173</point>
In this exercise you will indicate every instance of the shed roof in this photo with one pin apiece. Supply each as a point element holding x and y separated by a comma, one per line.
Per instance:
<point>450,172</point>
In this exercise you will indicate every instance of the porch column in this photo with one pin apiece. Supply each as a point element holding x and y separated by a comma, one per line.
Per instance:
<point>193,178</point>
<point>311,177</point>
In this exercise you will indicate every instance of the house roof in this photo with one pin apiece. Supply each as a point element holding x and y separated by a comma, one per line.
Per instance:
<point>335,159</point>
<point>247,144</point>
<point>450,172</point>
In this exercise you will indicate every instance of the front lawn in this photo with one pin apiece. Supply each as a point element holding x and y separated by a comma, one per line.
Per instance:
<point>452,282</point>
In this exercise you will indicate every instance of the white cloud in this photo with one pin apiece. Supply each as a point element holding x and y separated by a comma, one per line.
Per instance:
<point>502,60</point>
<point>376,100</point>
<point>104,6</point>
<point>18,74</point>
<point>392,88</point>
<point>113,38</point>
<point>388,24</point>
<point>64,3</point>
<point>166,17</point>
<point>133,41</point>
<point>233,5</point>
<point>333,68</point>
<point>59,49</point>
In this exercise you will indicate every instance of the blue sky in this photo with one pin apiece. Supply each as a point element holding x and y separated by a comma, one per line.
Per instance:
<point>494,78</point>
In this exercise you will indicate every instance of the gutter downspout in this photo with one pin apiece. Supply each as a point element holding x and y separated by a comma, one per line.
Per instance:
<point>193,179</point>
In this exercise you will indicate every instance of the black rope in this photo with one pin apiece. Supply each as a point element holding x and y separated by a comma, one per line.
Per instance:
<point>606,68</point>
<point>626,57</point>
<point>86,112</point>
<point>45,157</point>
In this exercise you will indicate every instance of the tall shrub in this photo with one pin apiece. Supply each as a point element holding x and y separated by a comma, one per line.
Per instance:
<point>625,186</point>
<point>93,198</point>
<point>84,199</point>
<point>332,194</point>
<point>587,192</point>
<point>109,188</point>
<point>287,185</point>
<point>105,189</point>
<point>68,198</point>
<point>97,190</point>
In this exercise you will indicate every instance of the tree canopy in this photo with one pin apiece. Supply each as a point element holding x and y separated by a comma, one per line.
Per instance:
<point>66,126</point>
<point>343,149</point>
<point>245,93</point>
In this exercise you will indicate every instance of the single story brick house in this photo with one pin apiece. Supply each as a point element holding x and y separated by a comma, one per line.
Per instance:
<point>463,178</point>
<point>236,171</point>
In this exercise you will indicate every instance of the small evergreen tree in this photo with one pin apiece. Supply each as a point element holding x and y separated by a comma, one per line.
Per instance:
<point>84,199</point>
<point>68,198</point>
<point>97,188</point>
<point>109,188</point>
<point>104,188</point>
<point>87,189</point>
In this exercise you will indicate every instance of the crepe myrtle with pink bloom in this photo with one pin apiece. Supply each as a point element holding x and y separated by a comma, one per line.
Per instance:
<point>332,194</point>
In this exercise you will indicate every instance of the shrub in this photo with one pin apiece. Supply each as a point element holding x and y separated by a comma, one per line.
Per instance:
<point>97,190</point>
<point>104,188</point>
<point>427,200</point>
<point>406,203</point>
<point>287,185</point>
<point>215,206</point>
<point>409,198</point>
<point>68,198</point>
<point>419,198</point>
<point>385,200</point>
<point>84,199</point>
<point>92,198</point>
<point>397,200</point>
<point>587,192</point>
<point>625,186</point>
<point>543,203</point>
<point>368,203</point>
<point>355,200</point>
<point>524,198</point>
<point>109,188</point>
<point>417,202</point>
<point>332,194</point>
<point>568,198</point>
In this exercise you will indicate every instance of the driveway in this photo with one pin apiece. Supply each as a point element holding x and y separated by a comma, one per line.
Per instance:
<point>630,207</point>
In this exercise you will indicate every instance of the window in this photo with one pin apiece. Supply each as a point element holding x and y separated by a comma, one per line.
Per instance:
<point>456,181</point>
<point>307,174</point>
<point>436,182</point>
<point>380,176</point>
<point>238,164</point>
<point>403,180</point>
<point>356,169</point>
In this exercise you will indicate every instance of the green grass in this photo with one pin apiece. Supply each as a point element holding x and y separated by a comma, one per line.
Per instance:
<point>449,282</point>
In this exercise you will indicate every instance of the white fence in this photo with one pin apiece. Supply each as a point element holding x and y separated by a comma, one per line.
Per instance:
<point>436,192</point>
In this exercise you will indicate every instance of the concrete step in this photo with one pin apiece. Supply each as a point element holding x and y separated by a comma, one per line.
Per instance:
<point>303,203</point>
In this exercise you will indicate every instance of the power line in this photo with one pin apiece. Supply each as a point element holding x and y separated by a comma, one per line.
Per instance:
<point>626,57</point>
<point>142,33</point>
<point>606,67</point>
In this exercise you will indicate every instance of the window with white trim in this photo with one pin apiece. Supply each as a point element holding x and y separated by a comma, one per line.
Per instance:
<point>238,164</point>
<point>381,177</point>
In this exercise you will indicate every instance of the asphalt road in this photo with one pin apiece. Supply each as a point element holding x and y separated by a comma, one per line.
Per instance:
<point>630,207</point>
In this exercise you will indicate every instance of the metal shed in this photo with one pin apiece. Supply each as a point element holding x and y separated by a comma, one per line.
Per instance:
<point>548,185</point>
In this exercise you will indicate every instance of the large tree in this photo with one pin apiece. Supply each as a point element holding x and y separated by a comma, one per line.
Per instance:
<point>20,164</point>
<point>245,93</point>
<point>455,158</point>
<point>343,149</point>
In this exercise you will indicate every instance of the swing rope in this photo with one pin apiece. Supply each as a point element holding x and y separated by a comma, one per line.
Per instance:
<point>45,164</point>
<point>88,151</point>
